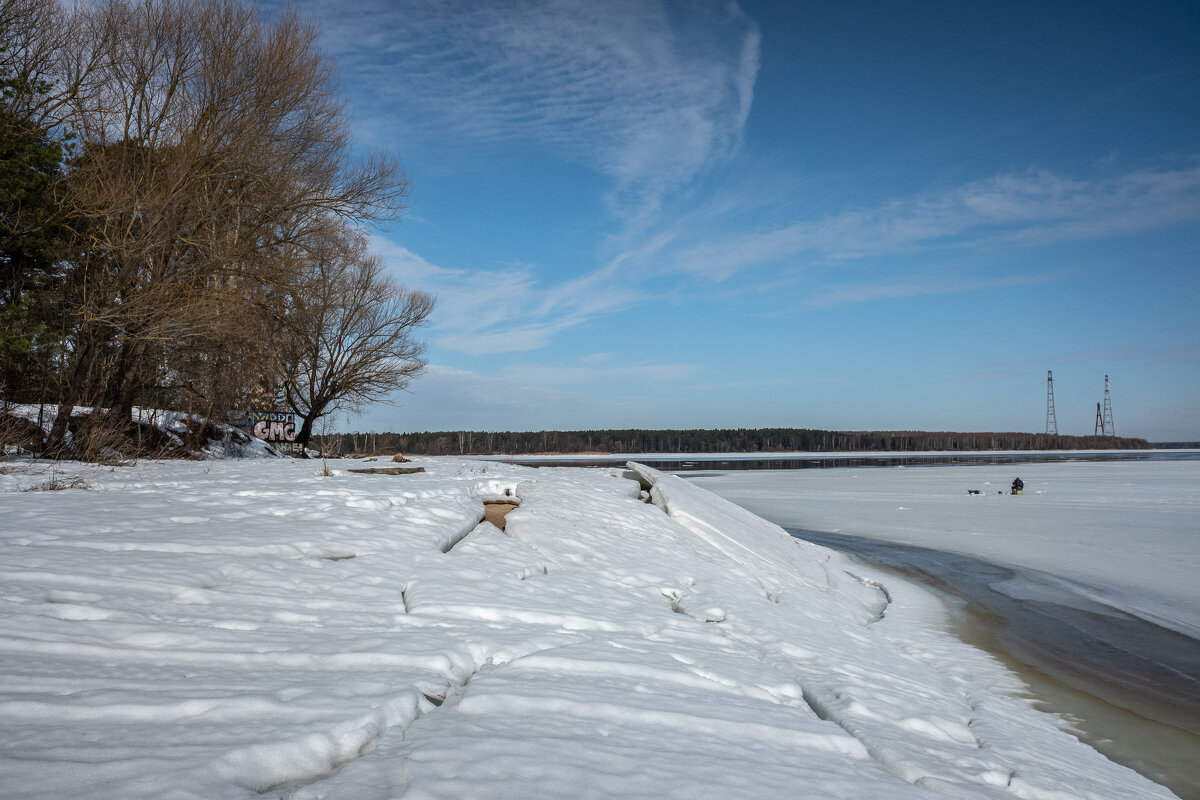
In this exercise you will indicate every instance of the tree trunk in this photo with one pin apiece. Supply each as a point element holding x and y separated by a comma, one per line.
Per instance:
<point>126,388</point>
<point>305,433</point>
<point>74,388</point>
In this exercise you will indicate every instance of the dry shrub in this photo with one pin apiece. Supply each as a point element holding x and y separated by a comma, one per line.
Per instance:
<point>152,442</point>
<point>105,439</point>
<point>98,438</point>
<point>21,433</point>
<point>58,483</point>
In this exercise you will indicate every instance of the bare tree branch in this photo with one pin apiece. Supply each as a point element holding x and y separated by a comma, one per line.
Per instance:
<point>212,148</point>
<point>349,333</point>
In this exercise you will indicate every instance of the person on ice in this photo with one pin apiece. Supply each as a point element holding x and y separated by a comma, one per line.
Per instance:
<point>1018,486</point>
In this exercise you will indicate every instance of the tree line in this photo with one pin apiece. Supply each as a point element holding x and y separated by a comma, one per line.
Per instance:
<point>182,223</point>
<point>740,440</point>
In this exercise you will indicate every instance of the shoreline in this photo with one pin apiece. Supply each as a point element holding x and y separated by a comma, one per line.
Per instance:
<point>1120,683</point>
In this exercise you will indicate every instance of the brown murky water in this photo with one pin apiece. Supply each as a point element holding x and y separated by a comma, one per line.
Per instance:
<point>1127,687</point>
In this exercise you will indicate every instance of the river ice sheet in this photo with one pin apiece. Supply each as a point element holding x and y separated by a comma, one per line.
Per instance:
<point>1126,533</point>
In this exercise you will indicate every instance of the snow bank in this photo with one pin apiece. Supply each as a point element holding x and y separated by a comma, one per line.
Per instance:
<point>234,629</point>
<point>172,428</point>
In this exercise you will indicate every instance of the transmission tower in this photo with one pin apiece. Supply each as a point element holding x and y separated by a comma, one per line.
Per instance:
<point>1107,421</point>
<point>1051,422</point>
<point>1099,421</point>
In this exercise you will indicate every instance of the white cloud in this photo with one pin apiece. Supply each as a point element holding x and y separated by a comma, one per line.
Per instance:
<point>506,340</point>
<point>646,93</point>
<point>483,312</point>
<point>596,358</point>
<point>649,94</point>
<point>588,373</point>
<point>508,309</point>
<point>1018,209</point>
<point>448,398</point>
<point>925,286</point>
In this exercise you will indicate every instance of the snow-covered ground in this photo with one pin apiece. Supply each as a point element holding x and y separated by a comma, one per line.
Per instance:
<point>1125,533</point>
<point>237,628</point>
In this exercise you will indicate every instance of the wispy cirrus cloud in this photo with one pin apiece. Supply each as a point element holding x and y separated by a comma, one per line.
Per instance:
<point>589,373</point>
<point>1025,209</point>
<point>505,309</point>
<point>645,92</point>
<point>651,95</point>
<point>563,397</point>
<point>509,309</point>
<point>923,286</point>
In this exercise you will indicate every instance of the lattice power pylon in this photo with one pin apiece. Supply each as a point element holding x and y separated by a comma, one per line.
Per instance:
<point>1051,421</point>
<point>1099,422</point>
<point>1107,421</point>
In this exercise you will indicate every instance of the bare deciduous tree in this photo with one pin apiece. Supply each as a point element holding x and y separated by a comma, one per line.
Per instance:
<point>211,142</point>
<point>349,333</point>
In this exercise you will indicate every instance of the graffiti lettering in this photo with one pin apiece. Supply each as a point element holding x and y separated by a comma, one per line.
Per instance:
<point>273,426</point>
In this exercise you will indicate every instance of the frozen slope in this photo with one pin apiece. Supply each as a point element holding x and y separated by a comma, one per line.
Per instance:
<point>244,629</point>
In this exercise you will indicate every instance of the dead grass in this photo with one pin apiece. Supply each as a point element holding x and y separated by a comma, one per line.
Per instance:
<point>58,483</point>
<point>99,438</point>
<point>20,433</point>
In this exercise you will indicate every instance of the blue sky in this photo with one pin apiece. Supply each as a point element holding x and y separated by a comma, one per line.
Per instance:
<point>828,215</point>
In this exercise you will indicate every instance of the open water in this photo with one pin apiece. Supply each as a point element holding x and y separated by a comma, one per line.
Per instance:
<point>1129,688</point>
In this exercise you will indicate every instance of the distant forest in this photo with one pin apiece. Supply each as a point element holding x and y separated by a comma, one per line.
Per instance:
<point>741,440</point>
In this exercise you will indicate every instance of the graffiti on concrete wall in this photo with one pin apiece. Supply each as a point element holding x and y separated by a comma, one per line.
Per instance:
<point>272,426</point>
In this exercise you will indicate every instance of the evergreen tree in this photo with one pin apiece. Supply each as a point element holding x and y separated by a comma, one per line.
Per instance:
<point>31,230</point>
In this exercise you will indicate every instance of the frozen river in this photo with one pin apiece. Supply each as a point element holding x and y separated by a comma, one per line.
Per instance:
<point>1085,583</point>
<point>1127,532</point>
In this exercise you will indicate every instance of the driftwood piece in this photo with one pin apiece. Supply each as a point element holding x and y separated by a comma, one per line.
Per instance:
<point>388,470</point>
<point>495,511</point>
